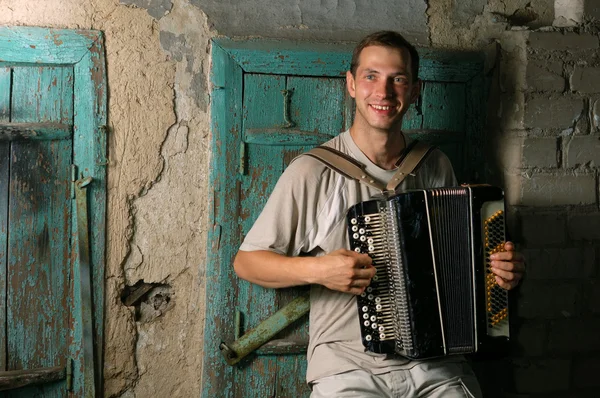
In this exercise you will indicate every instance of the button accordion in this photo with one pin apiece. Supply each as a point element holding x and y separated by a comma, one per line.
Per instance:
<point>433,293</point>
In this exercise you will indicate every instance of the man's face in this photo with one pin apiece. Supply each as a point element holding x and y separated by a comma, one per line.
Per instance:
<point>383,87</point>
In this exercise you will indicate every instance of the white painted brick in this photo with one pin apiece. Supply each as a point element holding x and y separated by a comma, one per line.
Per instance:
<point>552,111</point>
<point>584,226</point>
<point>596,114</point>
<point>543,229</point>
<point>582,150</point>
<point>539,78</point>
<point>568,12</point>
<point>549,300</point>
<point>541,376</point>
<point>573,263</point>
<point>585,80</point>
<point>562,41</point>
<point>540,152</point>
<point>547,190</point>
<point>574,336</point>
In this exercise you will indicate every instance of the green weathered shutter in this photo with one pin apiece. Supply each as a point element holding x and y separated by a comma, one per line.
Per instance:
<point>52,105</point>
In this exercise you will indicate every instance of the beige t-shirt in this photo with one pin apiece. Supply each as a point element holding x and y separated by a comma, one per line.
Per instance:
<point>306,214</point>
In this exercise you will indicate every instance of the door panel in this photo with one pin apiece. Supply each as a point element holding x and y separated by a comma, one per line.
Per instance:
<point>38,268</point>
<point>314,112</point>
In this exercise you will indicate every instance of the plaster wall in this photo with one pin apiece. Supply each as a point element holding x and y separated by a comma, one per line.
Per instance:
<point>157,55</point>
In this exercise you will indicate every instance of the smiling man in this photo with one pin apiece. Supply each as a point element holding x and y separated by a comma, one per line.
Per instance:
<point>300,237</point>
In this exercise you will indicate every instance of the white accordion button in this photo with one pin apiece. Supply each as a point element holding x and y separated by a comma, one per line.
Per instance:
<point>367,323</point>
<point>363,294</point>
<point>369,289</point>
<point>354,228</point>
<point>363,238</point>
<point>378,307</point>
<point>371,248</point>
<point>381,328</point>
<point>381,336</point>
<point>361,231</point>
<point>365,316</point>
<point>373,318</point>
<point>378,300</point>
<point>357,249</point>
<point>373,325</point>
<point>353,221</point>
<point>355,236</point>
<point>370,297</point>
<point>370,241</point>
<point>368,337</point>
<point>367,218</point>
<point>365,308</point>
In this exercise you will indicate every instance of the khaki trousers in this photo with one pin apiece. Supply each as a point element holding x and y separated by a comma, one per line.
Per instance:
<point>427,379</point>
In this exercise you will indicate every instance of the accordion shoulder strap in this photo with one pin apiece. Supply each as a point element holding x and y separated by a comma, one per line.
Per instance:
<point>350,168</point>
<point>417,151</point>
<point>345,165</point>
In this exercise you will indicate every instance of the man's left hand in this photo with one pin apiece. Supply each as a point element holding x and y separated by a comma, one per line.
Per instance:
<point>508,266</point>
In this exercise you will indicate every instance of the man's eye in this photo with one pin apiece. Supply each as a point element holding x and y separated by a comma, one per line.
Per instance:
<point>369,77</point>
<point>400,80</point>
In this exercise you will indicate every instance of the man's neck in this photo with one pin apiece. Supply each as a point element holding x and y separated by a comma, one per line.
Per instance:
<point>382,147</point>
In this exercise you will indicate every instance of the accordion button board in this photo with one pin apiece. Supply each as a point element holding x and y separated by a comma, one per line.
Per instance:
<point>426,300</point>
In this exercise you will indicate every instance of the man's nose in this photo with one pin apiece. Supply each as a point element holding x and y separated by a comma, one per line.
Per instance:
<point>384,88</point>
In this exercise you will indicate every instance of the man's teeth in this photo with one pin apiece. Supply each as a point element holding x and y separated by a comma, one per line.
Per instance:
<point>381,108</point>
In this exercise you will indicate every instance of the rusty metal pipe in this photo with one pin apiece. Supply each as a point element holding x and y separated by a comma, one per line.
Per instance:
<point>265,330</point>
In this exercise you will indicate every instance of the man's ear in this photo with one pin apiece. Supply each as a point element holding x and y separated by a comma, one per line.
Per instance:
<point>350,84</point>
<point>416,91</point>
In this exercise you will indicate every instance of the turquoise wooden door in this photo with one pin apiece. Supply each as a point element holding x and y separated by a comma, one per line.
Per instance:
<point>270,102</point>
<point>50,112</point>
<point>36,219</point>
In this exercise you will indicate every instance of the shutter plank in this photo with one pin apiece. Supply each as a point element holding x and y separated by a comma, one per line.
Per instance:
<point>5,88</point>
<point>39,265</point>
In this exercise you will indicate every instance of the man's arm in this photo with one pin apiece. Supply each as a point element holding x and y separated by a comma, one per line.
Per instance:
<point>342,270</point>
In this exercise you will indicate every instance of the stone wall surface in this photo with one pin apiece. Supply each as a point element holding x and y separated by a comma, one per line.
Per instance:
<point>543,147</point>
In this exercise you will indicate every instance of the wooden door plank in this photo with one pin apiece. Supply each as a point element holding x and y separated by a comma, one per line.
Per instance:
<point>263,102</point>
<point>34,45</point>
<point>443,106</point>
<point>39,268</point>
<point>264,105</point>
<point>5,89</point>
<point>90,158</point>
<point>317,104</point>
<point>329,59</point>
<point>224,234</point>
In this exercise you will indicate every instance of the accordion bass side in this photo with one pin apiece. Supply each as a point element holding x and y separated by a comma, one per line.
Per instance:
<point>433,293</point>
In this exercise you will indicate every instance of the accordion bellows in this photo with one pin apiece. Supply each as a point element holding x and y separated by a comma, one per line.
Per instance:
<point>433,293</point>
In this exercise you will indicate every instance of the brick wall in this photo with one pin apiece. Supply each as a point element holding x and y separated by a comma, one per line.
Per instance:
<point>547,143</point>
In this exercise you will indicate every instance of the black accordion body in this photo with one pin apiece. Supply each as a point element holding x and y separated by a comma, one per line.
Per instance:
<point>433,294</point>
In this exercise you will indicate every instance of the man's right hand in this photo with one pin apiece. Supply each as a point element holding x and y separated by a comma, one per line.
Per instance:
<point>345,271</point>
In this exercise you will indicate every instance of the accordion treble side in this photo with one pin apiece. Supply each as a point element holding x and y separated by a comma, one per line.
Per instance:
<point>433,293</point>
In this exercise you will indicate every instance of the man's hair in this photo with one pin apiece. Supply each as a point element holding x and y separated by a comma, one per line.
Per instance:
<point>387,38</point>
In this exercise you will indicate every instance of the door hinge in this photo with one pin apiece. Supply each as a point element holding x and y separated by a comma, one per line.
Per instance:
<point>69,374</point>
<point>242,168</point>
<point>73,179</point>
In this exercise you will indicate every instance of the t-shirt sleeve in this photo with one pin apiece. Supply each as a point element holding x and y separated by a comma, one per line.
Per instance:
<point>286,223</point>
<point>439,170</point>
